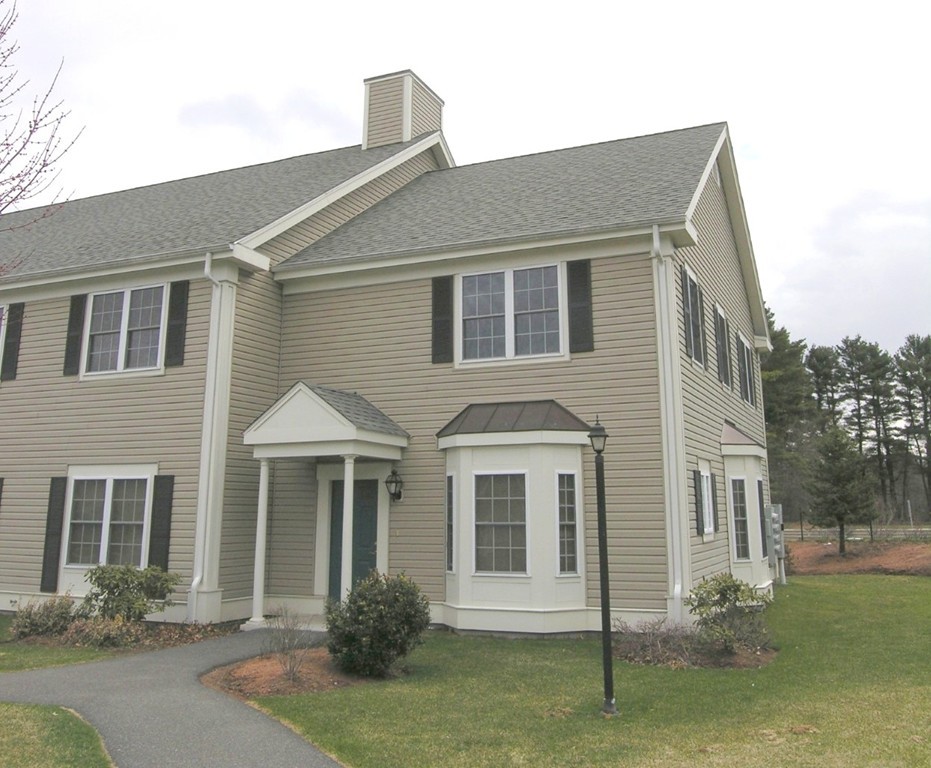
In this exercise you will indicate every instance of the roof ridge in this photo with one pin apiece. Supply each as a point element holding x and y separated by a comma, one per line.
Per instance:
<point>558,150</point>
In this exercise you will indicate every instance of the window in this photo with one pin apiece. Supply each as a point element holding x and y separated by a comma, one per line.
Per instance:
<point>108,521</point>
<point>2,326</point>
<point>759,493</point>
<point>693,312</point>
<point>745,371</point>
<point>568,536</point>
<point>500,523</point>
<point>449,522</point>
<point>125,330</point>
<point>511,313</point>
<point>722,342</point>
<point>741,533</point>
<point>705,502</point>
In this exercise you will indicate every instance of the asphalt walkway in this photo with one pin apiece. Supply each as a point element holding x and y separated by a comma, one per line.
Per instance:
<point>152,712</point>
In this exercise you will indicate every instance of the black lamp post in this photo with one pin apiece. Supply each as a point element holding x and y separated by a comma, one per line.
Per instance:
<point>599,437</point>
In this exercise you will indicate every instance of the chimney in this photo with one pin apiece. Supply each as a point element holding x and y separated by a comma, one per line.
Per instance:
<point>399,107</point>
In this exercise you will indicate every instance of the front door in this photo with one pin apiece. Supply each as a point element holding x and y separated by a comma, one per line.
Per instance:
<point>364,532</point>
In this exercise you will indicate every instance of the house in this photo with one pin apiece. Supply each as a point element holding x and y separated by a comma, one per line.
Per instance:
<point>218,374</point>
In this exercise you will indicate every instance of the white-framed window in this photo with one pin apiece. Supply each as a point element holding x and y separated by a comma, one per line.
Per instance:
<point>704,500</point>
<point>125,330</point>
<point>566,500</point>
<point>109,513</point>
<point>741,522</point>
<point>512,313</point>
<point>450,528</point>
<point>501,523</point>
<point>693,315</point>
<point>722,343</point>
<point>745,371</point>
<point>2,327</point>
<point>762,506</point>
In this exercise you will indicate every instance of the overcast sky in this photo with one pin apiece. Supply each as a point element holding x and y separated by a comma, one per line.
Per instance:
<point>827,105</point>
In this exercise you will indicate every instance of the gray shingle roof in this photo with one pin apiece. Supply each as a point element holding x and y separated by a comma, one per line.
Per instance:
<point>616,184</point>
<point>200,212</point>
<point>360,412</point>
<point>532,416</point>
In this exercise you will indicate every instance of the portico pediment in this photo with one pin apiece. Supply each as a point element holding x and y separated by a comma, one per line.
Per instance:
<point>311,421</point>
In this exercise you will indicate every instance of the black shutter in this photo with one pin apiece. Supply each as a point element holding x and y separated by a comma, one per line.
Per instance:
<point>177,323</point>
<point>686,310</point>
<point>53,525</point>
<point>443,319</point>
<point>14,329</point>
<point>699,515</point>
<point>701,327</point>
<point>1,491</point>
<point>160,533</point>
<point>714,502</point>
<point>75,336</point>
<point>581,327</point>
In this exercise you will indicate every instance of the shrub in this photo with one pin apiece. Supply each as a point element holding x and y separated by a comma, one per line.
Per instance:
<point>381,620</point>
<point>49,617</point>
<point>100,632</point>
<point>127,592</point>
<point>657,642</point>
<point>729,612</point>
<point>289,641</point>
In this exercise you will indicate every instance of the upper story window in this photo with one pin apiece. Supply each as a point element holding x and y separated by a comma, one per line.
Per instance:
<point>136,329</point>
<point>745,371</point>
<point>2,325</point>
<point>693,315</point>
<point>511,313</point>
<point>125,330</point>
<point>722,343</point>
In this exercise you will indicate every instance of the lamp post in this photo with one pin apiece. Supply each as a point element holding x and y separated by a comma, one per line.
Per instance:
<point>599,437</point>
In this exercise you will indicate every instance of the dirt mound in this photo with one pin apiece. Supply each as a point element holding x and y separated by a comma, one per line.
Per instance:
<point>822,557</point>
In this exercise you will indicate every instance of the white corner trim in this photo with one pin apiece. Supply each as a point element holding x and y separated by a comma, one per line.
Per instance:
<point>407,107</point>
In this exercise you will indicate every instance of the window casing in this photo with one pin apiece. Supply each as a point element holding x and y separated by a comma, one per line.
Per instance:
<point>745,371</point>
<point>759,493</point>
<point>568,524</point>
<point>511,313</point>
<point>722,342</point>
<point>108,519</point>
<point>449,522</point>
<point>501,523</point>
<point>741,523</point>
<point>125,330</point>
<point>693,313</point>
<point>707,501</point>
<point>2,327</point>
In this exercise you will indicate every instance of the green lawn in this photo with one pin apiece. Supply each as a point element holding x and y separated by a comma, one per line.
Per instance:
<point>44,737</point>
<point>851,686</point>
<point>19,656</point>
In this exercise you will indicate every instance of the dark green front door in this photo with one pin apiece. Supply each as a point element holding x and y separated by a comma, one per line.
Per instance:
<point>364,531</point>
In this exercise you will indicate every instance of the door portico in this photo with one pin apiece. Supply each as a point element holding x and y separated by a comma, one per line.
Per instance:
<point>351,441</point>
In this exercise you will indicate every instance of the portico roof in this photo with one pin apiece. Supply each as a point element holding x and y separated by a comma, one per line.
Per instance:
<point>310,421</point>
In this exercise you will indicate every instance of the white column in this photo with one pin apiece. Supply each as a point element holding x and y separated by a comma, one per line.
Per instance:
<point>261,529</point>
<point>349,467</point>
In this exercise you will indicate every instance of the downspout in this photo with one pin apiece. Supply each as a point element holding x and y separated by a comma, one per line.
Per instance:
<point>207,440</point>
<point>669,383</point>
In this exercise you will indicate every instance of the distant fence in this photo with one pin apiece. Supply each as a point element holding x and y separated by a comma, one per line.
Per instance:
<point>880,533</point>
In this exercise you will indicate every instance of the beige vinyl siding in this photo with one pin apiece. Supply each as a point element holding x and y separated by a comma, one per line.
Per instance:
<point>323,222</point>
<point>253,389</point>
<point>426,110</point>
<point>707,402</point>
<point>386,112</point>
<point>376,340</point>
<point>51,421</point>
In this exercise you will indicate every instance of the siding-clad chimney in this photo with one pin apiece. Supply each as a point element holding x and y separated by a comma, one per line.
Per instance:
<point>399,107</point>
